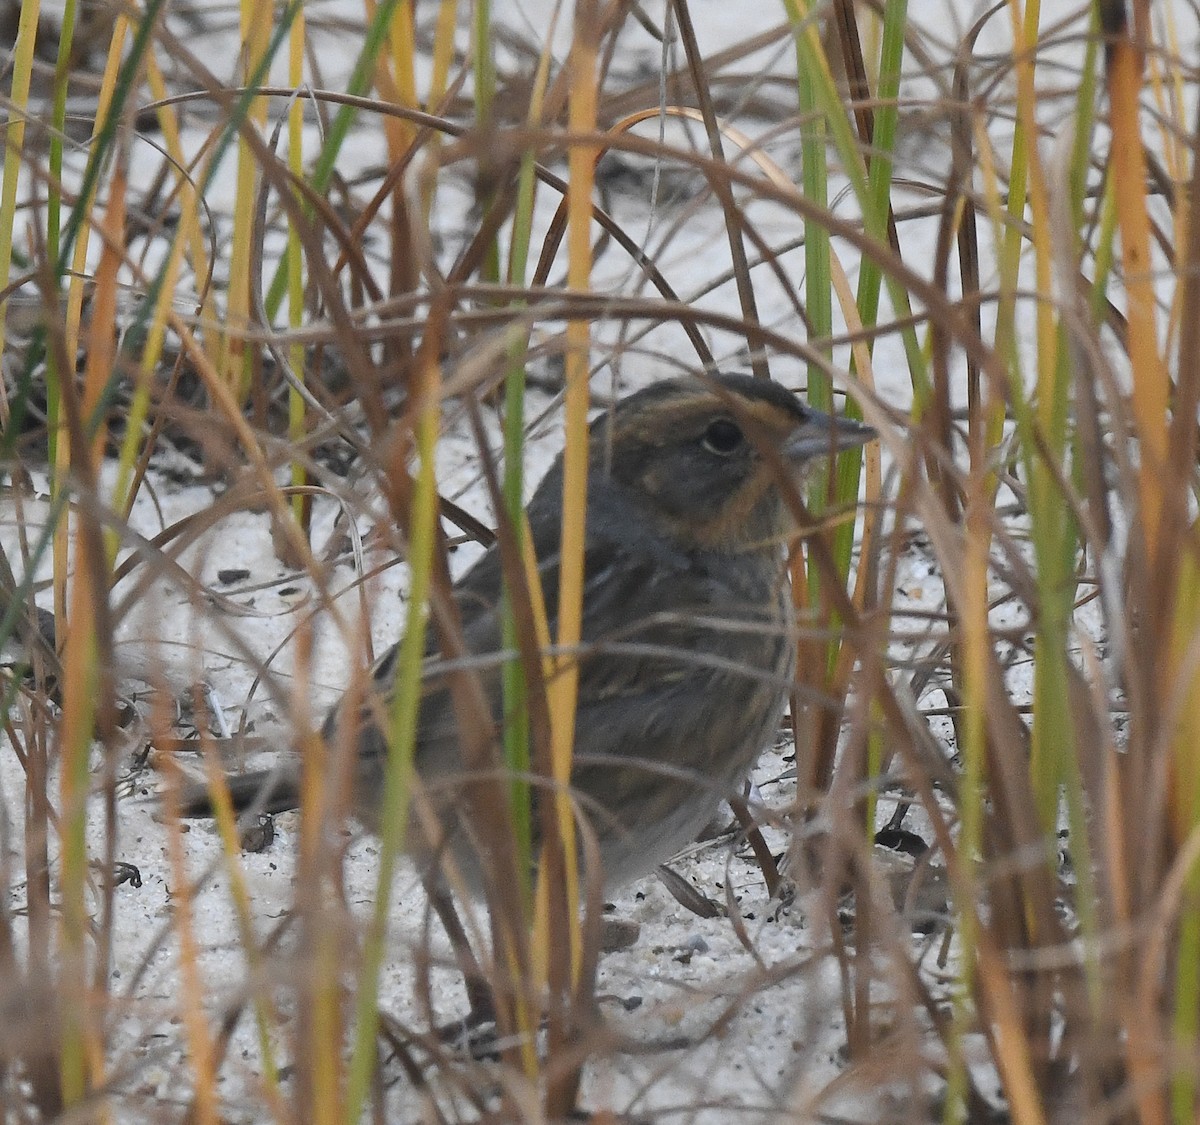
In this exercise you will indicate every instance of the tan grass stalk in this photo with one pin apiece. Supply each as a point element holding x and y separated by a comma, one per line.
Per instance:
<point>14,148</point>
<point>201,1048</point>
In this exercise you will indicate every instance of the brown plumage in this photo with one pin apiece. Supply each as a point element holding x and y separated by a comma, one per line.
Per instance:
<point>687,648</point>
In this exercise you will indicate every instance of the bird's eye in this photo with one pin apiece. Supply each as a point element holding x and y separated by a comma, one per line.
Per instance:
<point>723,436</point>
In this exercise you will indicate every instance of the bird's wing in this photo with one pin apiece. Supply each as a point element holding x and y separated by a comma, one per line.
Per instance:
<point>648,605</point>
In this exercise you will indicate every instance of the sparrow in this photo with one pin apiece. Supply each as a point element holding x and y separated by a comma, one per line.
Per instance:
<point>687,651</point>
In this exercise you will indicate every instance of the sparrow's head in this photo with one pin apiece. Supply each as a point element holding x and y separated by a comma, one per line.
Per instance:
<point>703,457</point>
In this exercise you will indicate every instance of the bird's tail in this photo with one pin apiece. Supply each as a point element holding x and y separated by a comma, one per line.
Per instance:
<point>264,791</point>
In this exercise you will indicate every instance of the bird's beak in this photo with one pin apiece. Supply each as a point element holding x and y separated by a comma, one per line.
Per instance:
<point>823,434</point>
